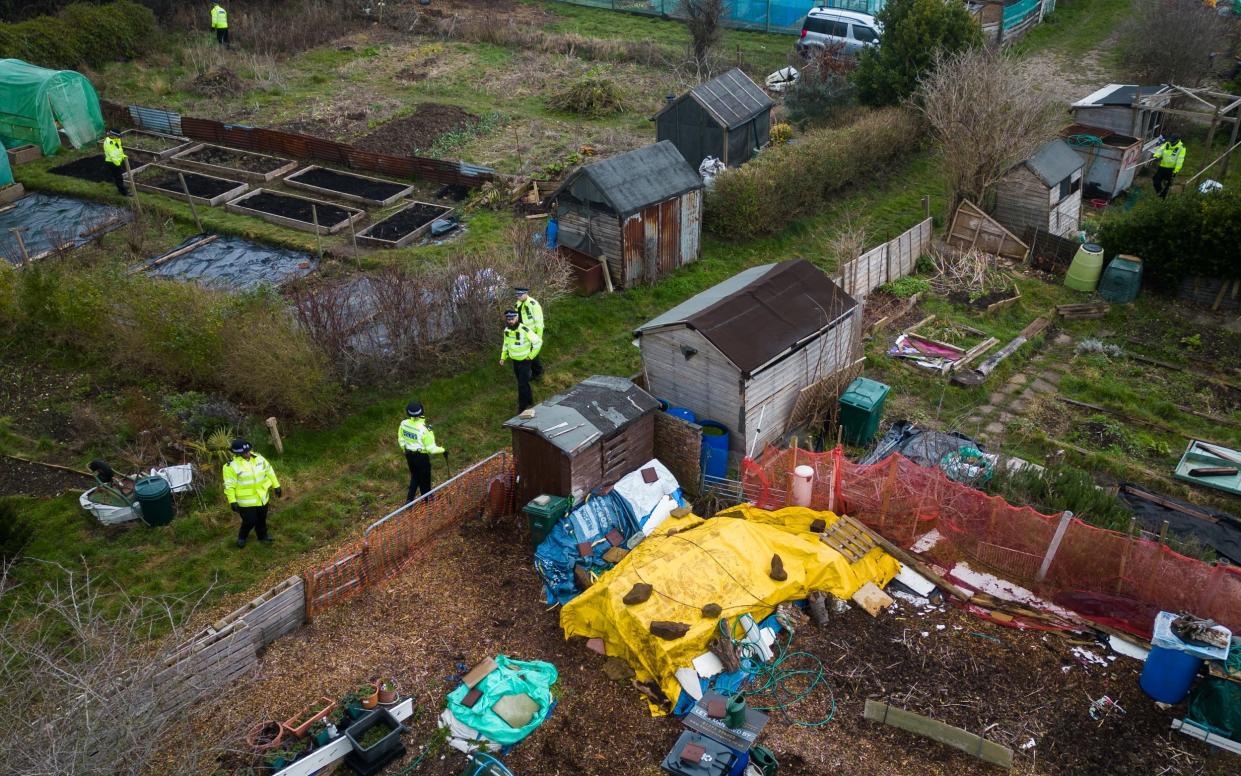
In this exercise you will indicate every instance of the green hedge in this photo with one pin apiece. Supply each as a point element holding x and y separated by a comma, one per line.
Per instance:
<point>244,345</point>
<point>793,180</point>
<point>1185,235</point>
<point>81,34</point>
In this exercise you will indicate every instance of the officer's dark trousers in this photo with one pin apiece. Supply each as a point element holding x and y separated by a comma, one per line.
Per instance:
<point>1163,181</point>
<point>221,36</point>
<point>522,371</point>
<point>117,171</point>
<point>419,474</point>
<point>253,518</point>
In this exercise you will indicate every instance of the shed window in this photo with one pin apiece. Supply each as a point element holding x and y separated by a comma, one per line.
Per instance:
<point>1069,186</point>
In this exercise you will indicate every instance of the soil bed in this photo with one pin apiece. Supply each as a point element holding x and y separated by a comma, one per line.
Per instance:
<point>983,302</point>
<point>416,132</point>
<point>150,142</point>
<point>396,226</point>
<point>296,208</point>
<point>355,186</point>
<point>202,186</point>
<point>31,479</point>
<point>237,160</point>
<point>88,168</point>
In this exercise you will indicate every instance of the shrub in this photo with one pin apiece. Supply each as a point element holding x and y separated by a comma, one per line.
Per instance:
<point>781,133</point>
<point>1058,488</point>
<point>1172,41</point>
<point>593,95</point>
<point>790,181</point>
<point>823,87</point>
<point>1185,235</point>
<point>914,32</point>
<point>905,287</point>
<point>15,532</point>
<point>81,34</point>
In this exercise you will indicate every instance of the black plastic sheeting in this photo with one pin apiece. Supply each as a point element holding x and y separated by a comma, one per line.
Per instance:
<point>1223,534</point>
<point>51,222</point>
<point>920,445</point>
<point>235,263</point>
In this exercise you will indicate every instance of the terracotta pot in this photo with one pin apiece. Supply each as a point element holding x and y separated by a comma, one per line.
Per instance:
<point>386,696</point>
<point>372,700</point>
<point>255,738</point>
<point>299,724</point>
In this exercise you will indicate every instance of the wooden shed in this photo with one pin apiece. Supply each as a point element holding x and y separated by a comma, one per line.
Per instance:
<point>728,117</point>
<point>593,434</point>
<point>742,351</point>
<point>1125,109</point>
<point>641,212</point>
<point>1043,192</point>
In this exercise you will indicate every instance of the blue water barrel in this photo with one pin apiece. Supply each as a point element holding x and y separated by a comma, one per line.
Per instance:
<point>683,414</point>
<point>1168,674</point>
<point>714,448</point>
<point>553,233</point>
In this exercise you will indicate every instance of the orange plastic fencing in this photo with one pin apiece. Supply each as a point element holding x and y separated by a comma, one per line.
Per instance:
<point>485,490</point>
<point>1106,575</point>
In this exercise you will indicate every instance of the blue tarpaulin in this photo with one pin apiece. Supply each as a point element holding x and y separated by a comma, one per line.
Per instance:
<point>555,558</point>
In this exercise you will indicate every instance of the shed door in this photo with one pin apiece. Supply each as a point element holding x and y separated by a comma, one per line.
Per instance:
<point>669,235</point>
<point>650,222</point>
<point>634,249</point>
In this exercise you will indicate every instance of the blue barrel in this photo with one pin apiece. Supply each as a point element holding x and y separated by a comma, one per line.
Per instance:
<point>683,414</point>
<point>714,448</point>
<point>553,233</point>
<point>1168,674</point>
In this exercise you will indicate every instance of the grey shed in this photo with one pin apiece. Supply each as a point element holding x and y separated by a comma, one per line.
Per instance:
<point>741,352</point>
<point>639,212</point>
<point>1126,109</point>
<point>593,434</point>
<point>727,117</point>
<point>1043,192</point>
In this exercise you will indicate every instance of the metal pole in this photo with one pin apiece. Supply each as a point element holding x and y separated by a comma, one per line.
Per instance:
<point>353,237</point>
<point>133,188</point>
<point>21,244</point>
<point>314,214</point>
<point>1232,143</point>
<point>189,199</point>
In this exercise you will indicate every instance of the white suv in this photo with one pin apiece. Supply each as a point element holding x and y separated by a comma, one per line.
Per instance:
<point>825,27</point>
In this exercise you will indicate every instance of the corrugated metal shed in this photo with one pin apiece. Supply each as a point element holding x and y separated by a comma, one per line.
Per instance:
<point>1054,162</point>
<point>1118,94</point>
<point>634,180</point>
<point>763,312</point>
<point>589,411</point>
<point>732,99</point>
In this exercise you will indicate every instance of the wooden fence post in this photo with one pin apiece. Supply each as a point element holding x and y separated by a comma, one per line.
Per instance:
<point>1065,518</point>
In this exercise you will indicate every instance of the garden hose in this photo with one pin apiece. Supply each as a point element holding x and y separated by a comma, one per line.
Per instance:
<point>772,677</point>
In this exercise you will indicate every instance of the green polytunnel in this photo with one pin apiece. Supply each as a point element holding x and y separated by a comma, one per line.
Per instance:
<point>35,102</point>
<point>6,172</point>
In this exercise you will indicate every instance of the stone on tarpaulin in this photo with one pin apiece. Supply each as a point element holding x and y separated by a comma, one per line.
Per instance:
<point>615,555</point>
<point>777,569</point>
<point>712,611</point>
<point>596,645</point>
<point>818,526</point>
<point>668,630</point>
<point>637,594</point>
<point>617,670</point>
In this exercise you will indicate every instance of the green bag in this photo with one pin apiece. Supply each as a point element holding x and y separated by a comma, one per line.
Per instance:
<point>534,678</point>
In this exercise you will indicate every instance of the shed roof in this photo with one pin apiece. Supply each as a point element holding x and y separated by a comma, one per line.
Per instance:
<point>589,411</point>
<point>633,180</point>
<point>1054,162</point>
<point>1117,95</point>
<point>761,313</point>
<point>731,98</point>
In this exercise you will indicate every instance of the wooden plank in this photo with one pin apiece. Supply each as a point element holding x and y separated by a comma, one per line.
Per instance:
<point>913,561</point>
<point>970,743</point>
<point>238,206</point>
<point>973,353</point>
<point>181,159</point>
<point>167,257</point>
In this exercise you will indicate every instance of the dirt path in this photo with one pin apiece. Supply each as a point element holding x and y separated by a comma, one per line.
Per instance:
<point>1069,79</point>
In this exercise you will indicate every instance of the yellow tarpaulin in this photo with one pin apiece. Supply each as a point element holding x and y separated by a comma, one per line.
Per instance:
<point>691,562</point>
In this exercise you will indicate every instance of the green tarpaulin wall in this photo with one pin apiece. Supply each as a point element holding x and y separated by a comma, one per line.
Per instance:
<point>34,100</point>
<point>6,172</point>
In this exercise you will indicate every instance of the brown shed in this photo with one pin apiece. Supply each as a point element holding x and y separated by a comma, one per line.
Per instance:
<point>593,434</point>
<point>640,211</point>
<point>1043,192</point>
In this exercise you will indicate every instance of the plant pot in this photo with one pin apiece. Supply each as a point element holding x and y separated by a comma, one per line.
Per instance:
<point>372,700</point>
<point>300,722</point>
<point>380,749</point>
<point>387,696</point>
<point>265,736</point>
<point>326,736</point>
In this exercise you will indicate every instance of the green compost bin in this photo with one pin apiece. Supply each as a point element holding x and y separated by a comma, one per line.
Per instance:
<point>544,512</point>
<point>154,497</point>
<point>861,409</point>
<point>1122,279</point>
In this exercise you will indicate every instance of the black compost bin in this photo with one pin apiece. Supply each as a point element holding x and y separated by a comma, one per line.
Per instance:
<point>376,752</point>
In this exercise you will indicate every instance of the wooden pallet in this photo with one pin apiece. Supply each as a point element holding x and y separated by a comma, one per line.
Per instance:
<point>1082,311</point>
<point>848,538</point>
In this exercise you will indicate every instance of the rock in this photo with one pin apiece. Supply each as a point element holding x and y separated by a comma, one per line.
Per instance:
<point>722,647</point>
<point>712,611</point>
<point>667,630</point>
<point>617,670</point>
<point>597,646</point>
<point>637,594</point>
<point>581,577</point>
<point>615,555</point>
<point>816,603</point>
<point>819,525</point>
<point>777,569</point>
<point>681,512</point>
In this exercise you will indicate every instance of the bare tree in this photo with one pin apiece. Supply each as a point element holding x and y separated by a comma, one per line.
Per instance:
<point>77,670</point>
<point>1171,41</point>
<point>987,113</point>
<point>705,21</point>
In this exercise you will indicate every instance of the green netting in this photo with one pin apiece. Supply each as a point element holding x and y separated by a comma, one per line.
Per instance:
<point>34,102</point>
<point>6,172</point>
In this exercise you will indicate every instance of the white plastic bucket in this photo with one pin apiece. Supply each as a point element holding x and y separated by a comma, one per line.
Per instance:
<point>803,485</point>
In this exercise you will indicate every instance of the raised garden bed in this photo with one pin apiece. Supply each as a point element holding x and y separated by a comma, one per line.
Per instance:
<point>295,212</point>
<point>230,162</point>
<point>147,147</point>
<point>347,185</point>
<point>89,168</point>
<point>299,724</point>
<point>204,189</point>
<point>404,226</point>
<point>24,153</point>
